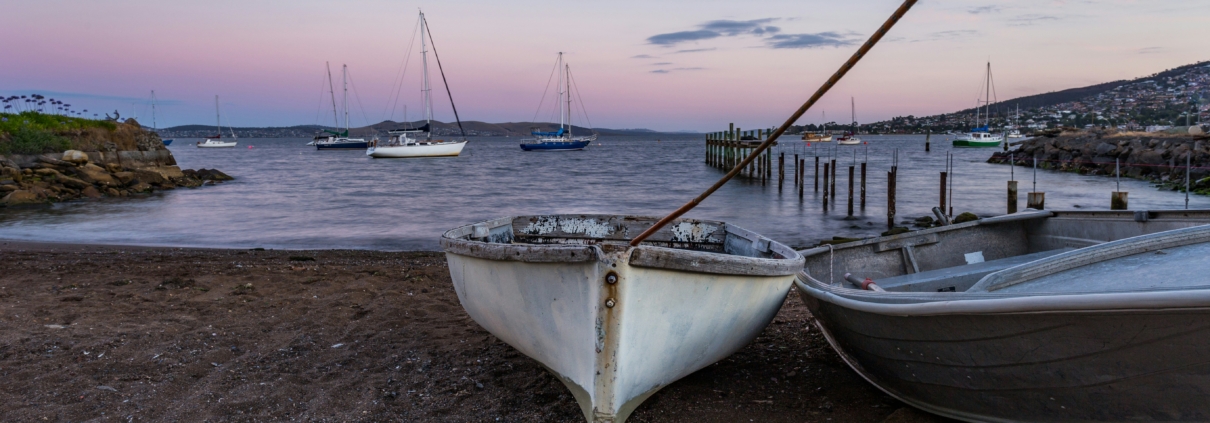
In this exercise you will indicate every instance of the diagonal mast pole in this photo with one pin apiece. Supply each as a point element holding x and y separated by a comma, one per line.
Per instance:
<point>844,69</point>
<point>332,93</point>
<point>444,81</point>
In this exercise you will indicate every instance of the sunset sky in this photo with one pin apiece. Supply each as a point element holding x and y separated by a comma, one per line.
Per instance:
<point>664,65</point>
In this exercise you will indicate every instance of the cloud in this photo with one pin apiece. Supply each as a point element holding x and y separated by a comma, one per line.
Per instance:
<point>822,39</point>
<point>673,38</point>
<point>642,56</point>
<point>677,70</point>
<point>696,50</point>
<point>1031,19</point>
<point>947,35</point>
<point>1150,50</point>
<point>715,29</point>
<point>984,9</point>
<point>661,64</point>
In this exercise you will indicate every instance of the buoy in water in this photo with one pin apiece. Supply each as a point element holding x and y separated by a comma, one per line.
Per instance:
<point>249,147</point>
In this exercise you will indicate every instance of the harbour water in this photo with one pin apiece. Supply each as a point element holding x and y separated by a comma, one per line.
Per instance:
<point>289,196</point>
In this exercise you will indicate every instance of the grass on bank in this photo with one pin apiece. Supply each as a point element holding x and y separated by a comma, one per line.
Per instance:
<point>38,133</point>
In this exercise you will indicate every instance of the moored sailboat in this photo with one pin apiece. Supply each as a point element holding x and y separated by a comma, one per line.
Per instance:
<point>405,143</point>
<point>562,138</point>
<point>341,141</point>
<point>981,136</point>
<point>216,141</point>
<point>850,138</point>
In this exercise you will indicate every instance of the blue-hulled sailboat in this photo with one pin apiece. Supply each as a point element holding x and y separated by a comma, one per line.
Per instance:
<point>561,139</point>
<point>341,141</point>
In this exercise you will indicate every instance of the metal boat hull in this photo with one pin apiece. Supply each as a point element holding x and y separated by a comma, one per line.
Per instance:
<point>444,149</point>
<point>1092,352</point>
<point>972,143</point>
<point>667,313</point>
<point>342,145</point>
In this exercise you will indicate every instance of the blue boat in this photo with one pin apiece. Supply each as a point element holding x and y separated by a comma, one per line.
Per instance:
<point>340,140</point>
<point>167,142</point>
<point>561,139</point>
<point>555,141</point>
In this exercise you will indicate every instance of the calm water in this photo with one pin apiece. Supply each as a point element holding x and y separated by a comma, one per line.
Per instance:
<point>289,196</point>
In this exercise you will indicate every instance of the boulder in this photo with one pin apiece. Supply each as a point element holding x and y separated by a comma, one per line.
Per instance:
<point>9,188</point>
<point>966,217</point>
<point>141,187</point>
<point>212,175</point>
<point>90,192</point>
<point>75,156</point>
<point>71,182</point>
<point>20,197</point>
<point>96,175</point>
<point>47,173</point>
<point>124,178</point>
<point>53,161</point>
<point>111,192</point>
<point>149,176</point>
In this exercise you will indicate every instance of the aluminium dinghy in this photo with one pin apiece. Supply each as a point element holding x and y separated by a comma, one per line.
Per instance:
<point>1034,316</point>
<point>615,322</point>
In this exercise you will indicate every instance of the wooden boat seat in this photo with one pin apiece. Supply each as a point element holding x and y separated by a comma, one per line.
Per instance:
<point>958,278</point>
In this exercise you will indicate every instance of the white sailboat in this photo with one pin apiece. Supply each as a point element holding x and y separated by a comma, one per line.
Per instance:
<point>217,140</point>
<point>850,138</point>
<point>982,136</point>
<point>1015,131</point>
<point>405,143</point>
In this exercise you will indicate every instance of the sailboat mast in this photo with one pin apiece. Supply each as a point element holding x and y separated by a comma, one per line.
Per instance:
<point>560,90</point>
<point>987,115</point>
<point>153,126</point>
<point>424,60</point>
<point>567,83</point>
<point>218,124</point>
<point>332,93</point>
<point>853,104</point>
<point>344,76</point>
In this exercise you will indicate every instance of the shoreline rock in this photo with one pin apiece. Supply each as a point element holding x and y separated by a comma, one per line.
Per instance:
<point>46,179</point>
<point>1154,157</point>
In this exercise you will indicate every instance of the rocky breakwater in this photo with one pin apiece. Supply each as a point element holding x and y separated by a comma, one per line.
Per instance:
<point>121,161</point>
<point>1155,157</point>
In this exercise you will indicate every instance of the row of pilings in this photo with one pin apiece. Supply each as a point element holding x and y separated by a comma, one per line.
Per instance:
<point>727,149</point>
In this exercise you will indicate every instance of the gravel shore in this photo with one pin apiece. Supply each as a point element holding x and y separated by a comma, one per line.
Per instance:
<point>110,333</point>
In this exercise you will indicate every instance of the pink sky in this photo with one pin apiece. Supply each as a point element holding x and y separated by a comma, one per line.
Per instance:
<point>265,59</point>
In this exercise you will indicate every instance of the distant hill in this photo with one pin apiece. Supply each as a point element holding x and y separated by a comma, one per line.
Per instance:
<point>472,128</point>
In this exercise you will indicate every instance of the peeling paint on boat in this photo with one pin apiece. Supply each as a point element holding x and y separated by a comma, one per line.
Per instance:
<point>544,225</point>
<point>588,227</point>
<point>694,232</point>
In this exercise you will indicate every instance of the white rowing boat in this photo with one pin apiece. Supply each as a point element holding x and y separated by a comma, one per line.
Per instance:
<point>616,323</point>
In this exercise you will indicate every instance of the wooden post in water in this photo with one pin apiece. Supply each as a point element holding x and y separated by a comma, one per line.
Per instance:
<point>943,175</point>
<point>890,194</point>
<point>769,164</point>
<point>1012,197</point>
<point>801,165</point>
<point>851,169</point>
<point>1036,200</point>
<point>927,136</point>
<point>781,169</point>
<point>796,170</point>
<point>863,185</point>
<point>825,186</point>
<point>817,173</point>
<point>832,186</point>
<point>1117,200</point>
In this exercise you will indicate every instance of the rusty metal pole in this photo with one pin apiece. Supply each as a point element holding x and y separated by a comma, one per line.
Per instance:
<point>840,73</point>
<point>943,175</point>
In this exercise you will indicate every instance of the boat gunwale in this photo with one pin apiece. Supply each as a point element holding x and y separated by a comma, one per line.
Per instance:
<point>785,261</point>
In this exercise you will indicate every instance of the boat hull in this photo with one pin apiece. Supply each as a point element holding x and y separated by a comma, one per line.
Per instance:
<point>970,143</point>
<point>1093,362</point>
<point>615,344</point>
<point>556,146</point>
<point>211,144</point>
<point>167,142</point>
<point>447,149</point>
<point>343,145</point>
<point>849,141</point>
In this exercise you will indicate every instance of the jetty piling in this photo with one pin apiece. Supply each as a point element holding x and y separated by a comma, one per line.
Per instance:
<point>927,135</point>
<point>832,187</point>
<point>1118,199</point>
<point>863,165</point>
<point>890,191</point>
<point>851,169</point>
<point>942,202</point>
<point>801,183</point>
<point>1012,197</point>
<point>825,186</point>
<point>781,170</point>
<point>816,170</point>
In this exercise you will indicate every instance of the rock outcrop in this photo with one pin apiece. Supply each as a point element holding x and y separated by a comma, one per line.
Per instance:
<point>72,175</point>
<point>1159,158</point>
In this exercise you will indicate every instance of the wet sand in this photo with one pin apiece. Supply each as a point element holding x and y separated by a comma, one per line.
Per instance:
<point>110,333</point>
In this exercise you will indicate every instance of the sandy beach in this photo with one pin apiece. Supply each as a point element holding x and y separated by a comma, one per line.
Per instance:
<point>111,333</point>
